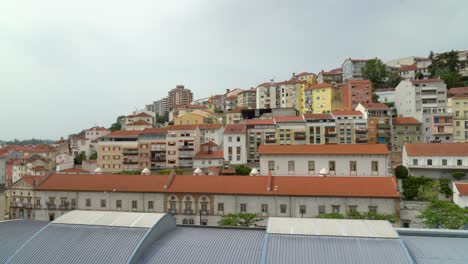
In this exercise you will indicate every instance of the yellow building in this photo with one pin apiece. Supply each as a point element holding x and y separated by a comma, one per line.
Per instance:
<point>321,98</point>
<point>458,105</point>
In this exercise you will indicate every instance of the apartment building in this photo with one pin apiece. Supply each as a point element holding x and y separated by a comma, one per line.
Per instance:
<point>268,96</point>
<point>325,160</point>
<point>139,121</point>
<point>211,133</point>
<point>423,99</point>
<point>259,132</point>
<point>435,160</point>
<point>209,155</point>
<point>231,102</point>
<point>419,70</point>
<point>234,116</point>
<point>351,127</point>
<point>179,96</point>
<point>352,69</point>
<point>235,144</point>
<point>291,94</point>
<point>152,148</point>
<point>331,76</point>
<point>183,142</point>
<point>405,130</point>
<point>118,151</point>
<point>290,130</point>
<point>310,78</point>
<point>247,99</point>
<point>321,98</point>
<point>458,106</point>
<point>442,127</point>
<point>354,92</point>
<point>379,122</point>
<point>320,128</point>
<point>80,144</point>
<point>202,200</point>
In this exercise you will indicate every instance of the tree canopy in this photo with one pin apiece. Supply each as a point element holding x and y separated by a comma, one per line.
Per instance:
<point>445,215</point>
<point>375,71</point>
<point>401,172</point>
<point>446,66</point>
<point>117,125</point>
<point>240,219</point>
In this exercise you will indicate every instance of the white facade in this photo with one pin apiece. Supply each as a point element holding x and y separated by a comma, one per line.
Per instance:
<point>459,199</point>
<point>212,134</point>
<point>386,96</point>
<point>207,162</point>
<point>236,143</point>
<point>422,100</point>
<point>266,96</point>
<point>310,165</point>
<point>64,161</point>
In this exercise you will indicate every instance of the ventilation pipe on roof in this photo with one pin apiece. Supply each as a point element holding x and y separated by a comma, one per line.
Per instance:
<point>323,172</point>
<point>198,171</point>
<point>254,172</point>
<point>145,171</point>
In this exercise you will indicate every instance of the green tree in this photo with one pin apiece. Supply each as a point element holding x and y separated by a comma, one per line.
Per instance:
<point>161,119</point>
<point>393,79</point>
<point>415,187</point>
<point>240,219</point>
<point>401,172</point>
<point>79,159</point>
<point>419,75</point>
<point>375,71</point>
<point>331,216</point>
<point>446,66</point>
<point>243,170</point>
<point>458,175</point>
<point>445,215</point>
<point>117,125</point>
<point>93,156</point>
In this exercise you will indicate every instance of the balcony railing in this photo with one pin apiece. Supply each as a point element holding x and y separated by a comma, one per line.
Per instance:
<point>172,211</point>
<point>188,211</point>
<point>28,205</point>
<point>204,212</point>
<point>270,140</point>
<point>383,126</point>
<point>37,206</point>
<point>361,130</point>
<point>50,206</point>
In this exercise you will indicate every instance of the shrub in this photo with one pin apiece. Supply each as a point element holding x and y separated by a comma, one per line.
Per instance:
<point>458,175</point>
<point>331,216</point>
<point>401,172</point>
<point>164,172</point>
<point>415,186</point>
<point>243,170</point>
<point>444,187</point>
<point>179,171</point>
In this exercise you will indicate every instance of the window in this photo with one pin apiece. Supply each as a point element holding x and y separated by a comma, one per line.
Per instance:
<point>415,161</point>
<point>238,139</point>
<point>221,207</point>
<point>331,167</point>
<point>172,205</point>
<point>103,203</point>
<point>38,202</point>
<point>271,165</point>
<point>303,211</point>
<point>335,209</point>
<point>264,208</point>
<point>352,208</point>
<point>372,209</point>
<point>353,166</point>
<point>321,209</point>
<point>118,204</point>
<point>150,205</point>
<point>243,207</point>
<point>134,204</point>
<point>311,167</point>
<point>459,162</point>
<point>291,167</point>
<point>229,139</point>
<point>444,162</point>
<point>88,202</point>
<point>283,208</point>
<point>375,166</point>
<point>429,162</point>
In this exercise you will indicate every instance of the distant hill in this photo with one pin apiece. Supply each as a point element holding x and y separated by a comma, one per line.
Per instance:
<point>32,141</point>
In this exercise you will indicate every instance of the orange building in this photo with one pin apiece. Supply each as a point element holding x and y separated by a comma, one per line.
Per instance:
<point>354,92</point>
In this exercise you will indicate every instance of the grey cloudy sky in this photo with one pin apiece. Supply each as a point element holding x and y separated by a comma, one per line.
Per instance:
<point>68,65</point>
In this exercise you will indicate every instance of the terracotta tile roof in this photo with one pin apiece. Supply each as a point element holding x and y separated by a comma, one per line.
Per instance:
<point>140,123</point>
<point>382,187</point>
<point>374,106</point>
<point>209,144</point>
<point>260,122</point>
<point>427,81</point>
<point>31,179</point>
<point>39,168</point>
<point>332,149</point>
<point>457,90</point>
<point>254,90</point>
<point>236,110</point>
<point>96,128</point>
<point>210,126</point>
<point>379,90</point>
<point>235,129</point>
<point>318,116</point>
<point>462,188</point>
<point>209,155</point>
<point>42,149</point>
<point>405,121</point>
<point>289,119</point>
<point>347,113</point>
<point>436,149</point>
<point>232,97</point>
<point>213,169</point>
<point>411,67</point>
<point>318,86</point>
<point>154,130</point>
<point>124,133</point>
<point>304,74</point>
<point>459,96</point>
<point>74,170</point>
<point>142,114</point>
<point>77,138</point>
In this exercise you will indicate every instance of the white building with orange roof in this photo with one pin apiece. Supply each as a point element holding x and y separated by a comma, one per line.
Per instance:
<point>435,160</point>
<point>208,156</point>
<point>139,121</point>
<point>460,194</point>
<point>325,160</point>
<point>235,144</point>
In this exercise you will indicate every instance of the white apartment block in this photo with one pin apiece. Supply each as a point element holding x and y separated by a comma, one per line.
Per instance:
<point>325,160</point>
<point>423,99</point>
<point>235,144</point>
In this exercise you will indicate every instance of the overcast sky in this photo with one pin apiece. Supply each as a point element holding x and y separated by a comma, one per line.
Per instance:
<point>68,65</point>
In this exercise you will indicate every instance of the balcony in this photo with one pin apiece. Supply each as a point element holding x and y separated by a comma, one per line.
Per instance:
<point>270,140</point>
<point>50,206</point>
<point>16,205</point>
<point>383,134</point>
<point>205,212</point>
<point>361,140</point>
<point>361,130</point>
<point>28,206</point>
<point>172,211</point>
<point>186,148</point>
<point>383,126</point>
<point>37,206</point>
<point>188,212</point>
<point>300,136</point>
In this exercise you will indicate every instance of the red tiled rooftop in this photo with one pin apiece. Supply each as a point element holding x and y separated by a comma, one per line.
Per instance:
<point>260,122</point>
<point>318,116</point>
<point>209,155</point>
<point>209,144</point>
<point>436,149</point>
<point>74,170</point>
<point>236,110</point>
<point>289,119</point>
<point>124,133</point>
<point>154,130</point>
<point>319,86</point>
<point>332,149</point>
<point>405,121</point>
<point>235,129</point>
<point>210,126</point>
<point>96,128</point>
<point>374,106</point>
<point>383,187</point>
<point>462,188</point>
<point>140,123</point>
<point>347,113</point>
<point>304,74</point>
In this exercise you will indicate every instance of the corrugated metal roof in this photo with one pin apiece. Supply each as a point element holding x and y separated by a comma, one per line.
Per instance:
<point>206,245</point>
<point>110,218</point>
<point>62,243</point>
<point>432,250</point>
<point>331,227</point>
<point>325,249</point>
<point>13,234</point>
